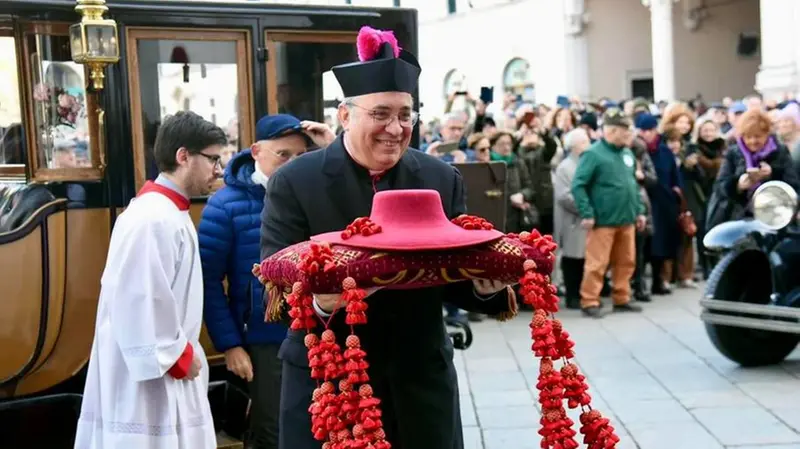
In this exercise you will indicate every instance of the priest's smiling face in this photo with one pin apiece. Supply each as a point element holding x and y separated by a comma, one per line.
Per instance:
<point>378,128</point>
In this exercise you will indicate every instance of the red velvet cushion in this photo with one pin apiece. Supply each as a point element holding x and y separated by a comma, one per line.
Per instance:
<point>499,260</point>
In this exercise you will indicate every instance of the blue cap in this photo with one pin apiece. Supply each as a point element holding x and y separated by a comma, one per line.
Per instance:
<point>738,107</point>
<point>646,122</point>
<point>278,125</point>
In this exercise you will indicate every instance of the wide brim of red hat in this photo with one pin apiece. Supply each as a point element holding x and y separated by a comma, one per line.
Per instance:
<point>409,239</point>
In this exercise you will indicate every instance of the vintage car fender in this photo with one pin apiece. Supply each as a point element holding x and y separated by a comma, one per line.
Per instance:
<point>728,235</point>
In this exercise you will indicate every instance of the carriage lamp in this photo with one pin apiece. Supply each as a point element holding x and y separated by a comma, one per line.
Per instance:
<point>93,41</point>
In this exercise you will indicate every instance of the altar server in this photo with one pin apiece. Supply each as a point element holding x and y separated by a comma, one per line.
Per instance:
<point>147,383</point>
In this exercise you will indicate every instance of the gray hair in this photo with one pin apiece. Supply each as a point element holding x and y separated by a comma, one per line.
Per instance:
<point>455,116</point>
<point>573,137</point>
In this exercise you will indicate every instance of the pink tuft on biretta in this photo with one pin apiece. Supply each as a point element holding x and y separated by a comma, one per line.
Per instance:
<point>369,43</point>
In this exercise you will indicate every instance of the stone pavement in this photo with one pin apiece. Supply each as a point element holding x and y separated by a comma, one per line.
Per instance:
<point>655,375</point>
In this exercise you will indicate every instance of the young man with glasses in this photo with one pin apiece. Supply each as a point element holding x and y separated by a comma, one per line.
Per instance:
<point>147,381</point>
<point>411,357</point>
<point>229,246</point>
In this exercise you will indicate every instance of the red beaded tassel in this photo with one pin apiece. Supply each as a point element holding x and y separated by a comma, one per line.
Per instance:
<point>551,342</point>
<point>363,411</point>
<point>325,356</point>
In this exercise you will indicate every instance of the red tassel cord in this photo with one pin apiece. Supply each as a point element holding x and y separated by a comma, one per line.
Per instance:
<point>551,342</point>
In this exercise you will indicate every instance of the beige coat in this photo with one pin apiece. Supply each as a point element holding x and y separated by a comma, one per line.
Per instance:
<point>567,230</point>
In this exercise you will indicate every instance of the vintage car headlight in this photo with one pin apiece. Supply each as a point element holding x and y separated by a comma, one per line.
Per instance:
<point>774,204</point>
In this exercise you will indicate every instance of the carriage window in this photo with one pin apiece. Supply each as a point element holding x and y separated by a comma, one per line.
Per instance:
<point>299,76</point>
<point>179,70</point>
<point>12,142</point>
<point>60,112</point>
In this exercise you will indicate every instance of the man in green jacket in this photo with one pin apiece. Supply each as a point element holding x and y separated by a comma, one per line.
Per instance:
<point>607,196</point>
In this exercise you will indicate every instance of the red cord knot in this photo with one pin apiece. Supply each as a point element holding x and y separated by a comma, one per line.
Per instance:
<point>360,226</point>
<point>472,222</point>
<point>320,257</point>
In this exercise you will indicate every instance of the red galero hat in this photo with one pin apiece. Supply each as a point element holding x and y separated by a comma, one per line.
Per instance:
<point>411,220</point>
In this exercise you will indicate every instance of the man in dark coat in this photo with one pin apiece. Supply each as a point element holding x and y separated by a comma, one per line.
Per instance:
<point>410,355</point>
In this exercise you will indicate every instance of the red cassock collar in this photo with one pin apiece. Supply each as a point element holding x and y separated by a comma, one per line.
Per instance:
<point>181,202</point>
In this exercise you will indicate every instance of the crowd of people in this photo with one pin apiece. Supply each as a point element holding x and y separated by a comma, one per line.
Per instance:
<point>619,186</point>
<point>691,165</point>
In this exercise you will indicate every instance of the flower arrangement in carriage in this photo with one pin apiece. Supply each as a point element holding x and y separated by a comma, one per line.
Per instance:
<point>407,242</point>
<point>59,103</point>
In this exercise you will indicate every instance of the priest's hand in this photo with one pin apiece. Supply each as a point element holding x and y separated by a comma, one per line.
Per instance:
<point>194,370</point>
<point>237,360</point>
<point>485,287</point>
<point>329,303</point>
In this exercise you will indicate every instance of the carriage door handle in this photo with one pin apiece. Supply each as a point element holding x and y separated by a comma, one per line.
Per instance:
<point>496,193</point>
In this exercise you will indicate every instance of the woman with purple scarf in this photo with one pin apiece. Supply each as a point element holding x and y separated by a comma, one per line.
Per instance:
<point>755,158</point>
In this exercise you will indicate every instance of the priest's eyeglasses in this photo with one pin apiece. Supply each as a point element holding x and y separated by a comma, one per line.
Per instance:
<point>384,118</point>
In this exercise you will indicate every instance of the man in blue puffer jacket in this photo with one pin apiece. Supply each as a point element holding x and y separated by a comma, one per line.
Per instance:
<point>229,246</point>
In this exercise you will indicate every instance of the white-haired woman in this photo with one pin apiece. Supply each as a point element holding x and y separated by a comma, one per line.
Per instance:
<point>567,229</point>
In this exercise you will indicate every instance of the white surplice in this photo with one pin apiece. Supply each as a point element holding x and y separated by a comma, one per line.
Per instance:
<point>151,305</point>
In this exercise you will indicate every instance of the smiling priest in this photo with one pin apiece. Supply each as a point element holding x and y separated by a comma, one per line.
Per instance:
<point>411,357</point>
<point>147,383</point>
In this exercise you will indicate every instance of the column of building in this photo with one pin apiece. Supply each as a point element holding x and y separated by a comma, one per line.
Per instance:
<point>662,48</point>
<point>576,49</point>
<point>779,73</point>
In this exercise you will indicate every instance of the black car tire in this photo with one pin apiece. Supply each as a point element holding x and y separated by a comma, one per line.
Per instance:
<point>747,347</point>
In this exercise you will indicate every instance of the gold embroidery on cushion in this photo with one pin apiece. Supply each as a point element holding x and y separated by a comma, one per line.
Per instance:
<point>417,277</point>
<point>343,257</point>
<point>471,273</point>
<point>503,247</point>
<point>446,276</point>
<point>394,280</point>
<point>378,255</point>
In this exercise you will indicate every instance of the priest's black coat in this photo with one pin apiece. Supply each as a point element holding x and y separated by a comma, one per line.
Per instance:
<point>410,354</point>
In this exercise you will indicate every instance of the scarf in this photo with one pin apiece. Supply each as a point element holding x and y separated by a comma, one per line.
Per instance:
<point>711,149</point>
<point>652,146</point>
<point>508,159</point>
<point>259,177</point>
<point>753,160</point>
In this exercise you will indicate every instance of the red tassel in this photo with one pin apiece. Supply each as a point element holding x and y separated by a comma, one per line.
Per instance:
<point>369,424</point>
<point>356,306</point>
<point>597,431</point>
<point>550,342</point>
<point>544,342</point>
<point>355,365</point>
<point>575,386</point>
<point>563,343</point>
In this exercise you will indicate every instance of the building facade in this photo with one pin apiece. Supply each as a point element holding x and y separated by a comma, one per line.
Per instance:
<point>660,49</point>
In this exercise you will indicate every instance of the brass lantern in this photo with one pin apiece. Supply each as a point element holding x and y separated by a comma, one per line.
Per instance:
<point>93,41</point>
